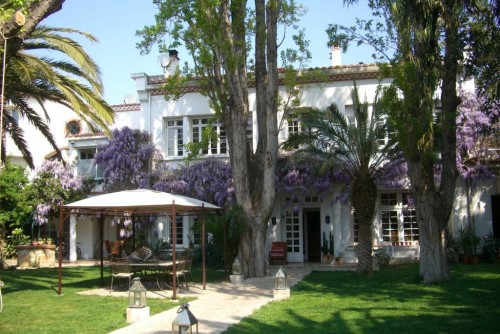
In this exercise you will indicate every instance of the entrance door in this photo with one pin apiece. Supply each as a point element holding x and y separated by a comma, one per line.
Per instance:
<point>294,236</point>
<point>495,215</point>
<point>313,235</point>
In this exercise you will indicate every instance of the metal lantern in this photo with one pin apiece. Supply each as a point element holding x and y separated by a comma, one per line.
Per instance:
<point>236,267</point>
<point>184,321</point>
<point>137,294</point>
<point>281,280</point>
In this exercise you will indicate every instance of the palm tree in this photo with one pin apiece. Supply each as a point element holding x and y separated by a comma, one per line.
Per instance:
<point>332,142</point>
<point>74,83</point>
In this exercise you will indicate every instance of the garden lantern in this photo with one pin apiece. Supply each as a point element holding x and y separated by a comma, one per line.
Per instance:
<point>137,294</point>
<point>236,267</point>
<point>281,280</point>
<point>184,321</point>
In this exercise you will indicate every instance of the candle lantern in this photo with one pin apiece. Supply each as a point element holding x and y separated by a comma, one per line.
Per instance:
<point>184,321</point>
<point>281,280</point>
<point>137,294</point>
<point>236,267</point>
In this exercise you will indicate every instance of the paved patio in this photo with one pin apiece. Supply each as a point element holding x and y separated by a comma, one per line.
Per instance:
<point>221,304</point>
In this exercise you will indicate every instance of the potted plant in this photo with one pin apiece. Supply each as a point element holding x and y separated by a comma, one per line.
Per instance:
<point>339,258</point>
<point>468,242</point>
<point>48,241</point>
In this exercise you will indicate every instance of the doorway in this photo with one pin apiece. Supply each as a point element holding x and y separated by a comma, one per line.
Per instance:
<point>495,215</point>
<point>312,222</point>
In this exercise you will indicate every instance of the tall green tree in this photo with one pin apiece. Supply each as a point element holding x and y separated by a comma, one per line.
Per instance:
<point>429,39</point>
<point>234,45</point>
<point>353,148</point>
<point>14,205</point>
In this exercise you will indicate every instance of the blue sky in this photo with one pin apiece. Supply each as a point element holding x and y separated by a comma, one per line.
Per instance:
<point>114,23</point>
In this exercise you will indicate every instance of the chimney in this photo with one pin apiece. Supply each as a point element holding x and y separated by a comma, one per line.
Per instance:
<point>169,63</point>
<point>336,56</point>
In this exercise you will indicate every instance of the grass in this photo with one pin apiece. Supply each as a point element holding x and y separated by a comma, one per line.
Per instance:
<point>393,300</point>
<point>31,305</point>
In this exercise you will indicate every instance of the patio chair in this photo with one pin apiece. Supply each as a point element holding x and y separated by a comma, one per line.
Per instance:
<point>179,274</point>
<point>120,269</point>
<point>188,276</point>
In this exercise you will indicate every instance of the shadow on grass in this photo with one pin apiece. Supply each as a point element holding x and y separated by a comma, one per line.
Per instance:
<point>47,278</point>
<point>77,278</point>
<point>392,300</point>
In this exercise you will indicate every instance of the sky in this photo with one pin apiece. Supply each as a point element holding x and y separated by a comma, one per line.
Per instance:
<point>115,22</point>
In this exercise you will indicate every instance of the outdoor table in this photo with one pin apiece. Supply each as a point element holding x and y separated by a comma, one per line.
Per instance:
<point>155,271</point>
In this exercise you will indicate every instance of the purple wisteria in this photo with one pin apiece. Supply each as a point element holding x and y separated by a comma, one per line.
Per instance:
<point>474,131</point>
<point>54,185</point>
<point>210,181</point>
<point>127,159</point>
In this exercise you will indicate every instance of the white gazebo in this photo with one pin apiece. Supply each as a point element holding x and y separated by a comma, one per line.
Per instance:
<point>139,201</point>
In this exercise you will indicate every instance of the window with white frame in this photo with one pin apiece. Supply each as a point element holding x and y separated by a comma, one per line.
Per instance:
<point>293,125</point>
<point>398,220</point>
<point>384,136</point>
<point>216,146</point>
<point>349,114</point>
<point>179,231</point>
<point>86,164</point>
<point>174,138</point>
<point>410,225</point>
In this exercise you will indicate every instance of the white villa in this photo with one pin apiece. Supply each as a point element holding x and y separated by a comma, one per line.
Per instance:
<point>174,123</point>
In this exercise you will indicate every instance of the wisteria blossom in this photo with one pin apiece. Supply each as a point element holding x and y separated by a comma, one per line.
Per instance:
<point>55,184</point>
<point>126,160</point>
<point>474,127</point>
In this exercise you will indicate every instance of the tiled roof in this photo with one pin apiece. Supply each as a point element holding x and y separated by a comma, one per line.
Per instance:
<point>126,107</point>
<point>331,74</point>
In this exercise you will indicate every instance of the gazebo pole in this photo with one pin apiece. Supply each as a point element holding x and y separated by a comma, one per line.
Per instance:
<point>203,268</point>
<point>59,251</point>
<point>101,232</point>
<point>174,255</point>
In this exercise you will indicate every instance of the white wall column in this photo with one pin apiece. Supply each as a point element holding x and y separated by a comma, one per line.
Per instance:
<point>337,226</point>
<point>72,238</point>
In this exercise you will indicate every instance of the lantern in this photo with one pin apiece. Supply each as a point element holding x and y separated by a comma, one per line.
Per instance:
<point>281,280</point>
<point>137,294</point>
<point>184,321</point>
<point>236,267</point>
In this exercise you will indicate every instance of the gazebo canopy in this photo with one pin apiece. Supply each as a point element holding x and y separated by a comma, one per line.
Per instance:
<point>141,201</point>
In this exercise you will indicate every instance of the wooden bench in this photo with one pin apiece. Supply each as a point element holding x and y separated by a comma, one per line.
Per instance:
<point>278,253</point>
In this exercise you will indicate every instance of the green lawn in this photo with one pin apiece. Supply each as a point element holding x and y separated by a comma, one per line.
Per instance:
<point>391,301</point>
<point>31,305</point>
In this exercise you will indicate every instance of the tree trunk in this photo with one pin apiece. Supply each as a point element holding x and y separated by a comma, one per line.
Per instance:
<point>254,171</point>
<point>433,211</point>
<point>37,11</point>
<point>363,199</point>
<point>252,244</point>
<point>365,259</point>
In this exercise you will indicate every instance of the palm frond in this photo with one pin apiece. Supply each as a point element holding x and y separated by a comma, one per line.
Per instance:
<point>74,83</point>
